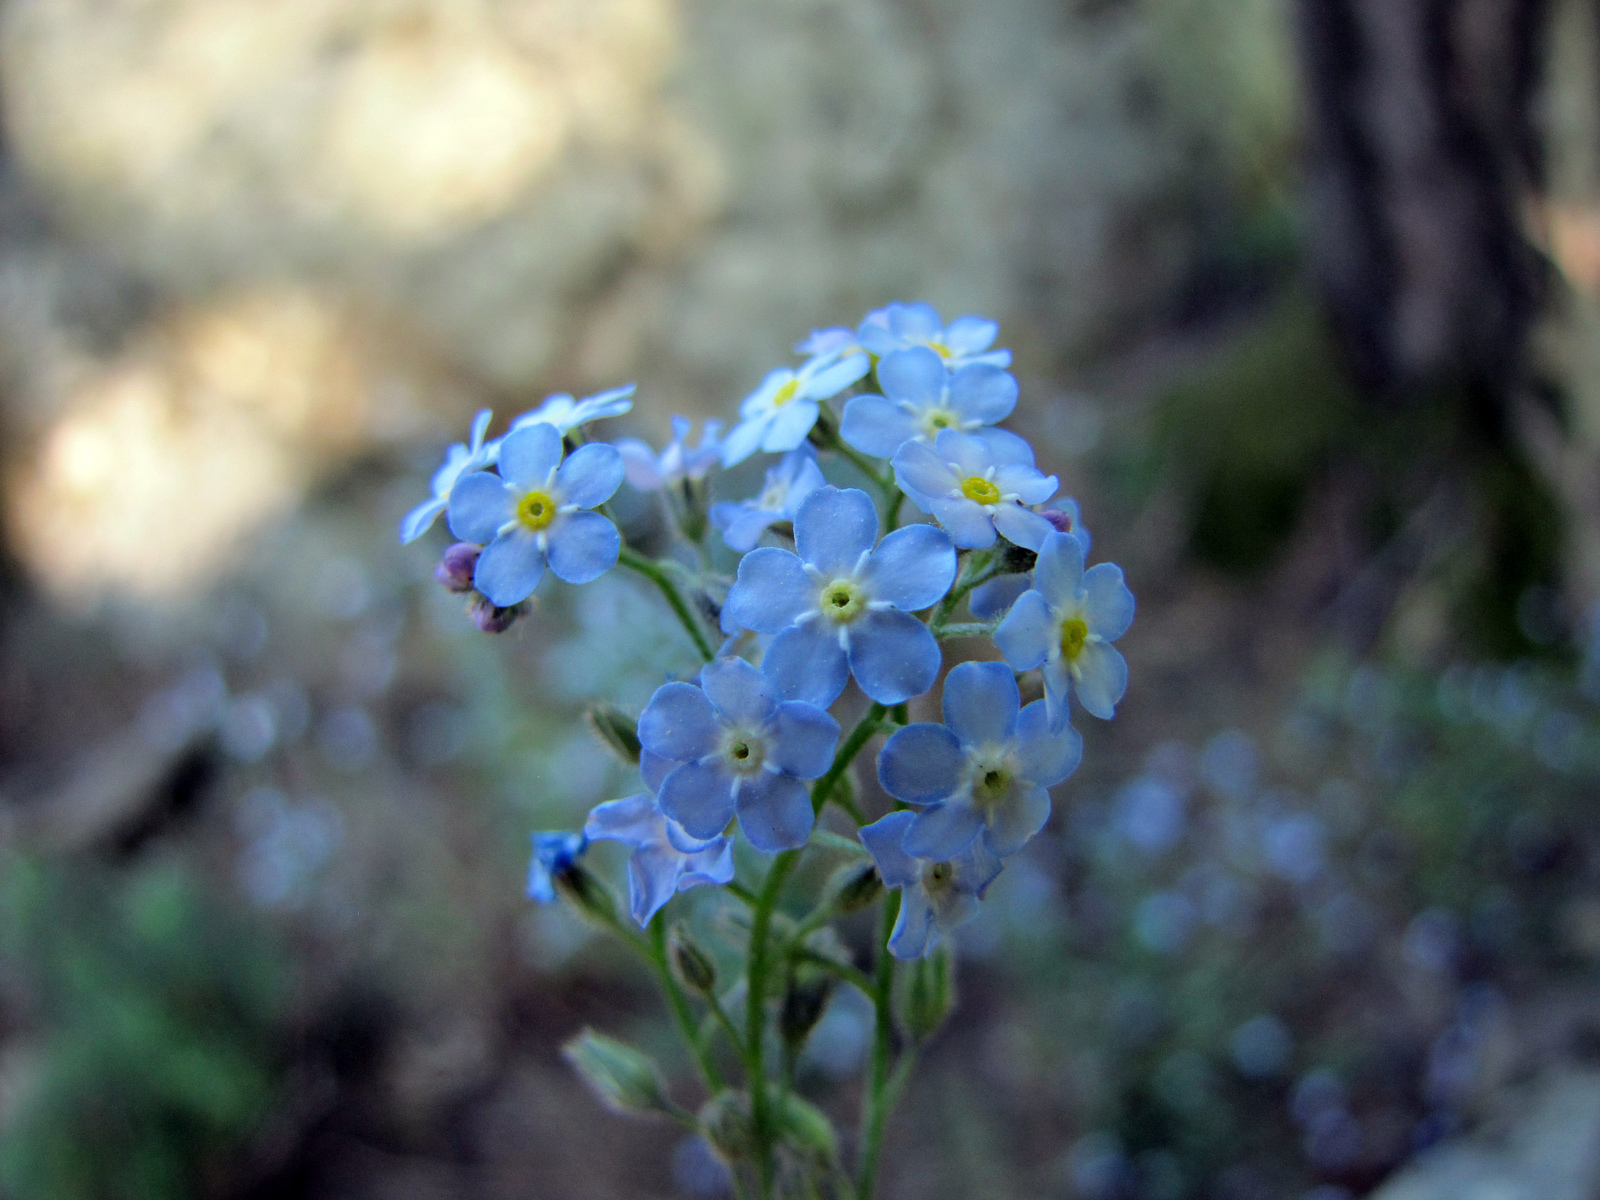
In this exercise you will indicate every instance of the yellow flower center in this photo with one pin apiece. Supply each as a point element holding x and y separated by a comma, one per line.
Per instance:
<point>536,510</point>
<point>842,601</point>
<point>936,419</point>
<point>1074,633</point>
<point>786,393</point>
<point>940,349</point>
<point>980,490</point>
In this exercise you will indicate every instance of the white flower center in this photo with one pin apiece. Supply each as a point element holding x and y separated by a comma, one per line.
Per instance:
<point>743,751</point>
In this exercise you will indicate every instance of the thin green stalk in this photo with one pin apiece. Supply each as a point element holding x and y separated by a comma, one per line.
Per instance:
<point>875,1105</point>
<point>756,1015</point>
<point>981,565</point>
<point>652,571</point>
<point>656,951</point>
<point>891,515</point>
<point>859,980</point>
<point>859,737</point>
<point>964,629</point>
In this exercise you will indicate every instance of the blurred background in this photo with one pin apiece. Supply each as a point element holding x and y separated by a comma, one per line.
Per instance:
<point>1303,295</point>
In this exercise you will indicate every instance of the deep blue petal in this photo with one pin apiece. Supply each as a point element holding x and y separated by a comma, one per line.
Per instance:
<point>699,796</point>
<point>921,764</point>
<point>774,812</point>
<point>913,928</point>
<point>969,524</point>
<point>1044,755</point>
<point>992,600</point>
<point>983,393</point>
<point>882,839</point>
<point>1022,526</point>
<point>652,880</point>
<point>834,528</point>
<point>912,568</point>
<point>590,475</point>
<point>738,692</point>
<point>1024,636</point>
<point>509,568</point>
<point>634,821</point>
<point>943,831</point>
<point>893,656</point>
<point>981,702</point>
<point>916,375</point>
<point>1058,575</point>
<point>529,454</point>
<point>877,425</point>
<point>805,662</point>
<point>1015,818</point>
<point>802,740</point>
<point>583,546</point>
<point>772,591</point>
<point>678,723</point>
<point>479,506</point>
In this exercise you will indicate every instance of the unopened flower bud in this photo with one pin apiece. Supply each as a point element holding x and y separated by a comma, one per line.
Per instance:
<point>804,1001</point>
<point>725,1123</point>
<point>1017,560</point>
<point>930,994</point>
<point>586,893</point>
<point>456,567</point>
<point>617,730</point>
<point>1063,521</point>
<point>804,1126</point>
<point>625,1080</point>
<point>490,617</point>
<point>855,886</point>
<point>692,965</point>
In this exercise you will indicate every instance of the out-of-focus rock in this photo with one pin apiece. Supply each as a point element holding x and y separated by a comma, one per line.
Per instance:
<point>1549,1149</point>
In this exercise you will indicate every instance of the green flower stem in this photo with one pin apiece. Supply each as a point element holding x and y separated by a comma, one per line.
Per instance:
<point>859,737</point>
<point>891,515</point>
<point>656,952</point>
<point>859,980</point>
<point>741,893</point>
<point>878,1098</point>
<point>964,629</point>
<point>980,565</point>
<point>729,1029</point>
<point>652,571</point>
<point>756,1015</point>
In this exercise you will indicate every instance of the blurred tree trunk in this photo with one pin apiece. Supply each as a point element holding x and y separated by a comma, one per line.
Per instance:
<point>1423,152</point>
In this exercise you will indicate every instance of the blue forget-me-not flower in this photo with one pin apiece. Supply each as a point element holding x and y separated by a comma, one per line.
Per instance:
<point>840,607</point>
<point>533,512</point>
<point>1066,624</point>
<point>921,397</point>
<point>992,600</point>
<point>778,414</point>
<point>977,485</point>
<point>787,485</point>
<point>650,472</point>
<point>566,414</point>
<point>984,772</point>
<point>458,461</point>
<point>553,853</point>
<point>936,895</point>
<point>665,859</point>
<point>964,340</point>
<point>742,750</point>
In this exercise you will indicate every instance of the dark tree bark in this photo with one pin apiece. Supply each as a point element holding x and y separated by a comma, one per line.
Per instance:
<point>1423,150</point>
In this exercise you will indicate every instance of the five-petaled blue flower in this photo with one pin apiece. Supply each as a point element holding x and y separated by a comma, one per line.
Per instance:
<point>921,397</point>
<point>788,484</point>
<point>651,472</point>
<point>553,853</point>
<point>841,607</point>
<point>741,750</point>
<point>976,485</point>
<point>984,772</point>
<point>1066,624</point>
<point>566,414</point>
<point>992,600</point>
<point>936,895</point>
<point>827,346</point>
<point>778,414</point>
<point>458,461</point>
<point>665,859</point>
<point>532,512</point>
<point>900,326</point>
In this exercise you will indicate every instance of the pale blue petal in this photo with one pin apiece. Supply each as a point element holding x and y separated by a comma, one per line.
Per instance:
<point>976,869</point>
<point>943,831</point>
<point>772,591</point>
<point>653,768</point>
<point>807,479</point>
<point>923,473</point>
<point>529,454</point>
<point>981,702</point>
<point>912,568</point>
<point>712,865</point>
<point>1057,687</point>
<point>916,374</point>
<point>834,528</point>
<point>992,600</point>
<point>421,518</point>
<point>953,907</point>
<point>479,506</point>
<point>969,453</point>
<point>509,568</point>
<point>741,525</point>
<point>634,821</point>
<point>1022,526</point>
<point>1046,756</point>
<point>737,692</point>
<point>699,796</point>
<point>743,440</point>
<point>678,838</point>
<point>835,379</point>
<point>876,425</point>
<point>789,425</point>
<point>774,812</point>
<point>969,524</point>
<point>1020,814</point>
<point>806,663</point>
<point>1028,484</point>
<point>802,740</point>
<point>590,475</point>
<point>1024,636</point>
<point>1108,604</point>
<point>1004,448</point>
<point>921,764</point>
<point>882,839</point>
<point>640,466</point>
<point>893,656</point>
<point>983,393</point>
<point>913,927</point>
<point>652,880</point>
<point>970,335</point>
<point>1058,574</point>
<point>678,723</point>
<point>480,426</point>
<point>1101,674</point>
<point>583,546</point>
<point>914,322</point>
